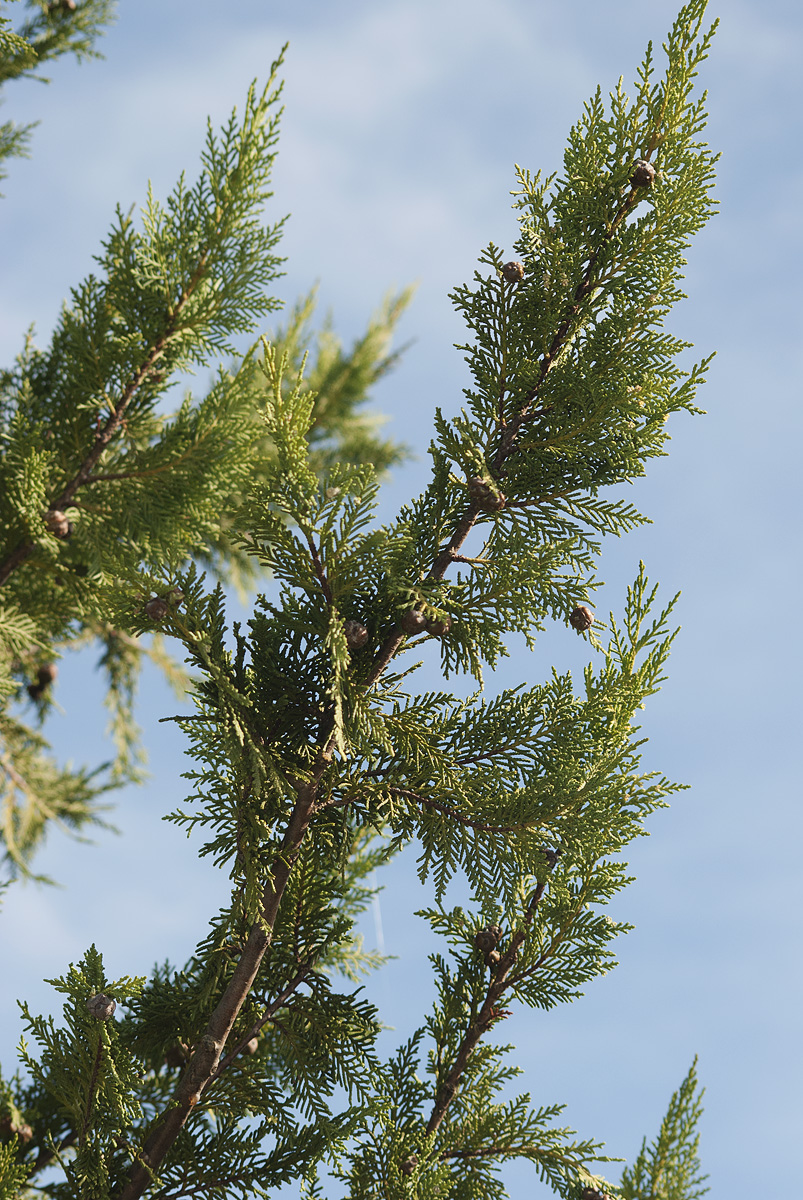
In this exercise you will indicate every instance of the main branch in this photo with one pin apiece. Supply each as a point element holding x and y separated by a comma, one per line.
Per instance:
<point>205,1064</point>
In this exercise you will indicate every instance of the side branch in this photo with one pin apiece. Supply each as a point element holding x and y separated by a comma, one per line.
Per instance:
<point>437,805</point>
<point>586,285</point>
<point>255,1029</point>
<point>113,422</point>
<point>488,1014</point>
<point>510,431</point>
<point>449,811</point>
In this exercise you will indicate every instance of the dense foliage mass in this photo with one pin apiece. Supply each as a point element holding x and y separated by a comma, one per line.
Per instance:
<point>315,760</point>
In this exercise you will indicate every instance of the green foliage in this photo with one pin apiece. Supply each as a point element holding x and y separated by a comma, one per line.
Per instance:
<point>670,1168</point>
<point>50,31</point>
<point>87,1075</point>
<point>314,759</point>
<point>338,382</point>
<point>166,298</point>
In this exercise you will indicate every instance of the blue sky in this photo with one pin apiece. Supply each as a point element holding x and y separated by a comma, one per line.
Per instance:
<point>403,122</point>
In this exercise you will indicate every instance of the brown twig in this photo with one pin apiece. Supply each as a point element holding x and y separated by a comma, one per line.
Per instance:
<point>272,1008</point>
<point>488,1014</point>
<point>320,573</point>
<point>205,1062</point>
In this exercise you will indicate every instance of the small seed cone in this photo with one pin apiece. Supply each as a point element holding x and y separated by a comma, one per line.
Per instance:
<point>644,174</point>
<point>513,272</point>
<point>413,621</point>
<point>356,634</point>
<point>581,618</point>
<point>101,1006</point>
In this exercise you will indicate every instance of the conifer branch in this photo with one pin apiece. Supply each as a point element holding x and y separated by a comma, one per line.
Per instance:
<point>586,285</point>
<point>208,1187</point>
<point>489,1013</point>
<point>510,431</point>
<point>437,805</point>
<point>537,501</point>
<point>45,1155</point>
<point>449,811</point>
<point>146,472</point>
<point>471,760</point>
<point>505,292</point>
<point>257,704</point>
<point>503,1150</point>
<point>106,433</point>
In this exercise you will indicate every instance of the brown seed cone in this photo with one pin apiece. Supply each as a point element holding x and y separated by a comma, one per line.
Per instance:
<point>485,494</point>
<point>413,621</point>
<point>492,958</point>
<point>156,608</point>
<point>58,523</point>
<point>486,939</point>
<point>513,272</point>
<point>644,174</point>
<point>438,626</point>
<point>409,1164</point>
<point>101,1006</point>
<point>356,634</point>
<point>251,1047</point>
<point>590,1193</point>
<point>581,618</point>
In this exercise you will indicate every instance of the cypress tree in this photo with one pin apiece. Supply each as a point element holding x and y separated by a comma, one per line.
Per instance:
<point>314,759</point>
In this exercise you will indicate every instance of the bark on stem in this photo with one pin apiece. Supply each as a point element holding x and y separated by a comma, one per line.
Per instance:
<point>205,1063</point>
